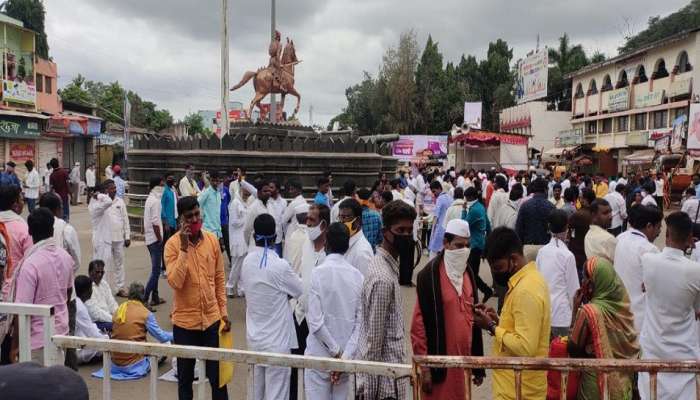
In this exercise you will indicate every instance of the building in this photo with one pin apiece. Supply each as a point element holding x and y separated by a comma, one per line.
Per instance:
<point>625,108</point>
<point>534,120</point>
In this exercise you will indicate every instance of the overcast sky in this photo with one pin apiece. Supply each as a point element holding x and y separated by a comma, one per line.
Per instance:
<point>169,51</point>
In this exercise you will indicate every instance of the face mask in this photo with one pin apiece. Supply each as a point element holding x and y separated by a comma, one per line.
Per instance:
<point>502,278</point>
<point>403,243</point>
<point>314,232</point>
<point>195,228</point>
<point>157,190</point>
<point>457,259</point>
<point>350,227</point>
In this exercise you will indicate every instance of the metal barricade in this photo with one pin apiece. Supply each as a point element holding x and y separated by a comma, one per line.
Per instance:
<point>250,358</point>
<point>564,365</point>
<point>24,313</point>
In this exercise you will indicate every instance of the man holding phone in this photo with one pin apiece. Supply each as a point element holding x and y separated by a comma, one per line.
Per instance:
<point>196,274</point>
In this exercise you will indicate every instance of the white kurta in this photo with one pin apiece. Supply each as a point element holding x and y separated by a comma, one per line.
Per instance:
<point>101,226</point>
<point>254,210</point>
<point>359,253</point>
<point>618,207</point>
<point>670,330</point>
<point>188,188</point>
<point>293,246</point>
<point>276,208</point>
<point>335,210</point>
<point>498,199</point>
<point>33,183</point>
<point>558,267</point>
<point>84,327</point>
<point>600,243</point>
<point>269,324</point>
<point>101,305</point>
<point>310,259</point>
<point>238,242</point>
<point>334,318</point>
<point>631,246</point>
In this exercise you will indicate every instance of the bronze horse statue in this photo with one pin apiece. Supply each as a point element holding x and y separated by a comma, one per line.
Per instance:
<point>264,84</point>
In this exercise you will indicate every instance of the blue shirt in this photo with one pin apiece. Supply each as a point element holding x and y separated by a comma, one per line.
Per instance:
<point>321,198</point>
<point>443,202</point>
<point>167,207</point>
<point>210,204</point>
<point>9,179</point>
<point>225,200</point>
<point>479,225</point>
<point>121,186</point>
<point>372,227</point>
<point>531,225</point>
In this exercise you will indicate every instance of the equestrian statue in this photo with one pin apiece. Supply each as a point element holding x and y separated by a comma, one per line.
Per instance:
<point>277,77</point>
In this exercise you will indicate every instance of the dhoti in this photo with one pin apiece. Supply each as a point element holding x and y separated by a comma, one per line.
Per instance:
<point>113,256</point>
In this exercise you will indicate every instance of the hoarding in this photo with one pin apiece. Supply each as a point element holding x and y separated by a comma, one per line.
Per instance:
<point>571,137</point>
<point>648,99</point>
<point>18,92</point>
<point>21,152</point>
<point>412,147</point>
<point>472,114</point>
<point>678,132</point>
<point>532,77</point>
<point>694,127</point>
<point>619,100</point>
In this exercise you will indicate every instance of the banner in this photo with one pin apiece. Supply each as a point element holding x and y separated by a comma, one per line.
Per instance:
<point>648,99</point>
<point>619,100</point>
<point>18,92</point>
<point>472,114</point>
<point>18,128</point>
<point>21,152</point>
<point>694,127</point>
<point>678,132</point>
<point>532,77</point>
<point>411,147</point>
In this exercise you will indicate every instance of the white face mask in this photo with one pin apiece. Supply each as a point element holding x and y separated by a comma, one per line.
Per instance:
<point>455,265</point>
<point>314,232</point>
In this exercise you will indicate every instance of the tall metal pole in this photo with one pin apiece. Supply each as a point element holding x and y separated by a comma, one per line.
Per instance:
<point>273,97</point>
<point>224,69</point>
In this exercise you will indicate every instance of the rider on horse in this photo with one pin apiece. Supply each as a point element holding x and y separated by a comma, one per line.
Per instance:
<point>275,65</point>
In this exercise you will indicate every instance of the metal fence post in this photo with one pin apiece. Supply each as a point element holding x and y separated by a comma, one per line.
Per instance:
<point>107,375</point>
<point>51,351</point>
<point>201,387</point>
<point>153,360</point>
<point>250,382</point>
<point>25,347</point>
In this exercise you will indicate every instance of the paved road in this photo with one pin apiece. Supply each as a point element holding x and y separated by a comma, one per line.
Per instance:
<point>138,268</point>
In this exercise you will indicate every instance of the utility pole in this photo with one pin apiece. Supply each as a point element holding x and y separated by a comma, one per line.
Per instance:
<point>273,97</point>
<point>311,115</point>
<point>224,69</point>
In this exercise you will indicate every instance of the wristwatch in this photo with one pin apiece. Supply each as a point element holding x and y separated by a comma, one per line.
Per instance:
<point>492,328</point>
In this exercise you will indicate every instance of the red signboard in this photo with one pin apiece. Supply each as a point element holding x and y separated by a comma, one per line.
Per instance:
<point>20,152</point>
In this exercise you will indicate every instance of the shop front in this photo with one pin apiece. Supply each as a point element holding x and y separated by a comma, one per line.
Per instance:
<point>19,135</point>
<point>479,149</point>
<point>77,134</point>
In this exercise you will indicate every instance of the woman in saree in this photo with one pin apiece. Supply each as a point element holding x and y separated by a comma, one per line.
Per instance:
<point>603,328</point>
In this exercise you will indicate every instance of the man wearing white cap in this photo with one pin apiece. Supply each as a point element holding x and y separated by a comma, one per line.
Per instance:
<point>447,292</point>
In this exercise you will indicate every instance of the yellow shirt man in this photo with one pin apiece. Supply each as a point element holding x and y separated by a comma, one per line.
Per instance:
<point>523,331</point>
<point>600,189</point>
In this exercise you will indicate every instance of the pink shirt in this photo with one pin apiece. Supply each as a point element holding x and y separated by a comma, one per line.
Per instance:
<point>20,242</point>
<point>44,278</point>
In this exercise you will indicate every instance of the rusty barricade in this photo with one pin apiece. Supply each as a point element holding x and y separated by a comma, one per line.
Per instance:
<point>564,365</point>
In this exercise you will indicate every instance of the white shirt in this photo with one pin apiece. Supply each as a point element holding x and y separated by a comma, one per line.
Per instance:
<point>310,259</point>
<point>498,199</point>
<point>631,246</point>
<point>101,219</point>
<point>33,182</point>
<point>237,219</point>
<point>119,221</point>
<point>460,182</point>
<point>396,195</point>
<point>670,330</point>
<point>90,179</point>
<point>188,188</point>
<point>558,267</point>
<point>277,207</point>
<point>695,256</point>
<point>618,207</point>
<point>659,188</point>
<point>611,186</point>
<point>47,176</point>
<point>65,236</point>
<point>565,184</point>
<point>293,246</point>
<point>507,215</point>
<point>691,207</point>
<point>335,210</point>
<point>289,214</point>
<point>453,212</point>
<point>599,243</point>
<point>360,252</point>
<point>75,174</point>
<point>109,174</point>
<point>409,196</point>
<point>101,306</point>
<point>335,308</point>
<point>254,210</point>
<point>151,217</point>
<point>649,200</point>
<point>269,324</point>
<point>84,327</point>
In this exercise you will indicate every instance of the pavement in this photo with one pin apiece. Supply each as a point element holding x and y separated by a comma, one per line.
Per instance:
<point>138,269</point>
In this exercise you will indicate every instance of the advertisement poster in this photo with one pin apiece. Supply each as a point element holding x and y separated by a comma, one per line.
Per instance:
<point>619,100</point>
<point>694,127</point>
<point>21,152</point>
<point>472,114</point>
<point>678,132</point>
<point>19,92</point>
<point>414,147</point>
<point>532,77</point>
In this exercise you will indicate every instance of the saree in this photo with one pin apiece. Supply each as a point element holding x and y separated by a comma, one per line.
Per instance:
<point>605,328</point>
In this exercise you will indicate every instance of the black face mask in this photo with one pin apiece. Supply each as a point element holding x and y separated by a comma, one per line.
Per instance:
<point>502,278</point>
<point>403,244</point>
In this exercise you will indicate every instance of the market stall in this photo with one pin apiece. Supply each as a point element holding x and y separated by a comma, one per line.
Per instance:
<point>483,149</point>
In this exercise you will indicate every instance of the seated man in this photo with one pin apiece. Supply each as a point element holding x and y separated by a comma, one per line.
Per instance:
<point>101,305</point>
<point>133,321</point>
<point>84,326</point>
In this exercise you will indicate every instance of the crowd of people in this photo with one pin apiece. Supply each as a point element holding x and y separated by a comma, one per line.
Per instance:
<point>572,260</point>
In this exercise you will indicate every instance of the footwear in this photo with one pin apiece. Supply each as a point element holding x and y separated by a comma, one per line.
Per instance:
<point>158,301</point>
<point>122,293</point>
<point>150,308</point>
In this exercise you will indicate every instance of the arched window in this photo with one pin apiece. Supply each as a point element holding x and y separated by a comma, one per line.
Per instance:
<point>622,80</point>
<point>579,91</point>
<point>682,64</point>
<point>660,69</point>
<point>641,75</point>
<point>607,84</point>
<point>592,88</point>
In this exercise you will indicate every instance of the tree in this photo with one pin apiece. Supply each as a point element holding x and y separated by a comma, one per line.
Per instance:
<point>32,14</point>
<point>398,71</point>
<point>195,125</point>
<point>75,92</point>
<point>658,28</point>
<point>429,82</point>
<point>498,81</point>
<point>566,59</point>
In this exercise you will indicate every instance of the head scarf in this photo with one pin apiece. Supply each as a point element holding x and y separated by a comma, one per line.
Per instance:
<point>609,321</point>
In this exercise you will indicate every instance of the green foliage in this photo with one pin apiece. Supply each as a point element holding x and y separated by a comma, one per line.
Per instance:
<point>429,84</point>
<point>566,58</point>
<point>195,125</point>
<point>658,28</point>
<point>31,13</point>
<point>109,101</point>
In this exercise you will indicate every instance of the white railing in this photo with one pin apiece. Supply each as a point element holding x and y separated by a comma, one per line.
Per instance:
<point>250,358</point>
<point>24,313</point>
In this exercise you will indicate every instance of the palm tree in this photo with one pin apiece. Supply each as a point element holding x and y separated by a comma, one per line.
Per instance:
<point>568,58</point>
